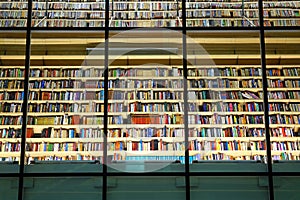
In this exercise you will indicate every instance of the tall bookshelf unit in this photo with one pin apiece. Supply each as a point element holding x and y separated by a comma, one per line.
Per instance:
<point>146,104</point>
<point>90,13</point>
<point>146,101</point>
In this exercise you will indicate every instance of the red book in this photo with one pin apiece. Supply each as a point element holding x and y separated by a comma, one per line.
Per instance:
<point>75,119</point>
<point>29,133</point>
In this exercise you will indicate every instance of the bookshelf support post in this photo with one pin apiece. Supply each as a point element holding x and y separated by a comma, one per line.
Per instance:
<point>25,101</point>
<point>185,100</point>
<point>265,99</point>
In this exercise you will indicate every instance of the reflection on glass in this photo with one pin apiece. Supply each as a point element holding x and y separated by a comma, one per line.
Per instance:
<point>146,187</point>
<point>203,13</point>
<point>146,97</point>
<point>226,118</point>
<point>62,188</point>
<point>145,13</point>
<point>68,13</point>
<point>286,187</point>
<point>232,187</point>
<point>283,94</point>
<point>9,188</point>
<point>281,13</point>
<point>65,109</point>
<point>11,94</point>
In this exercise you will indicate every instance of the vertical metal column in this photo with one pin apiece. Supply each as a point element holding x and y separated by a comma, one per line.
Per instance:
<point>104,186</point>
<point>265,94</point>
<point>185,100</point>
<point>25,101</point>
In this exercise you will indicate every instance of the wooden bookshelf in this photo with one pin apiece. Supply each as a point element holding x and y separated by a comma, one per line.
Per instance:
<point>145,111</point>
<point>200,13</point>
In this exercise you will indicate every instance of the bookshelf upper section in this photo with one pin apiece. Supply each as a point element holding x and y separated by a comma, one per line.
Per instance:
<point>158,13</point>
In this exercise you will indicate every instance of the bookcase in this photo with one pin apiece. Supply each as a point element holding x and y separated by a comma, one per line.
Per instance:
<point>200,13</point>
<point>146,103</point>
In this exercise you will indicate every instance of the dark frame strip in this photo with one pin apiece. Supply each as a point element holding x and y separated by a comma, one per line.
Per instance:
<point>265,96</point>
<point>25,101</point>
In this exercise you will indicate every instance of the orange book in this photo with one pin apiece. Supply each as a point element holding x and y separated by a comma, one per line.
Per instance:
<point>75,119</point>
<point>29,132</point>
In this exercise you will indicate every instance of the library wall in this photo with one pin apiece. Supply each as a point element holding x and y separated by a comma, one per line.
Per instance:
<point>65,98</point>
<point>12,57</point>
<point>283,90</point>
<point>145,112</point>
<point>199,13</point>
<point>225,100</point>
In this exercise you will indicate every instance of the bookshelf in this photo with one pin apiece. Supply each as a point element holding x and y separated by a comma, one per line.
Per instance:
<point>145,103</point>
<point>200,13</point>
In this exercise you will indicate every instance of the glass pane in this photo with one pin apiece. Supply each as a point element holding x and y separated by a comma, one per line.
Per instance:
<point>225,98</point>
<point>283,93</point>
<point>146,98</point>
<point>145,13</point>
<point>286,187</point>
<point>13,13</point>
<point>65,112</point>
<point>233,187</point>
<point>281,13</point>
<point>68,13</point>
<point>147,188</point>
<point>62,188</point>
<point>9,188</point>
<point>215,13</point>
<point>12,53</point>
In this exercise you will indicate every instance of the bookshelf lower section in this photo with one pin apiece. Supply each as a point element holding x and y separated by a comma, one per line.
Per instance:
<point>169,187</point>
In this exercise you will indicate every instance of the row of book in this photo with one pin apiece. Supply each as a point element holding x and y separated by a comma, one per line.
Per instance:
<point>10,120</point>
<point>223,95</point>
<point>227,107</point>
<point>148,84</point>
<point>57,107</point>
<point>146,95</point>
<point>74,15</point>
<point>140,15</point>
<point>64,119</point>
<point>165,132</point>
<point>69,23</point>
<point>64,95</point>
<point>15,72</point>
<point>153,145</point>
<point>226,119</point>
<point>137,132</point>
<point>284,95</point>
<point>225,83</point>
<point>285,84</point>
<point>148,23</point>
<point>52,23</point>
<point>203,107</point>
<point>231,72</point>
<point>151,107</point>
<point>148,71</point>
<point>284,119</point>
<point>12,84</point>
<point>211,156</point>
<point>193,71</point>
<point>67,73</point>
<point>291,107</point>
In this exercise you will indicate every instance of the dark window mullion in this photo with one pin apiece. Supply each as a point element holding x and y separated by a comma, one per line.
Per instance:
<point>25,101</point>
<point>265,97</point>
